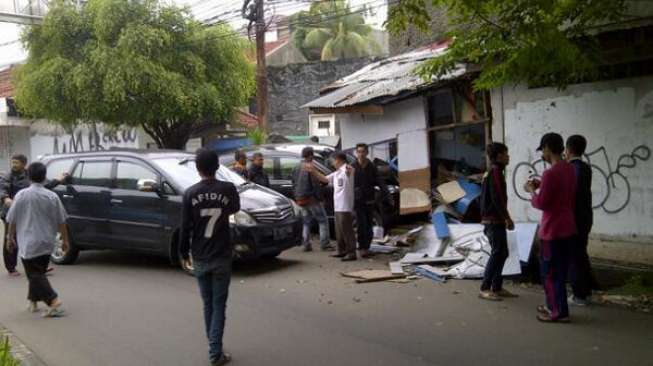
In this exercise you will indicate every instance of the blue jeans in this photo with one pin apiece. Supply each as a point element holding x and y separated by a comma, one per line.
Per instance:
<point>315,211</point>
<point>214,279</point>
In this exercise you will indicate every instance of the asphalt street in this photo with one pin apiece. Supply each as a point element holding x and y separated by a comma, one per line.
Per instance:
<point>125,309</point>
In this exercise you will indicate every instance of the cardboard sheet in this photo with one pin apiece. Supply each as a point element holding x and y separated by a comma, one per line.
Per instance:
<point>451,192</point>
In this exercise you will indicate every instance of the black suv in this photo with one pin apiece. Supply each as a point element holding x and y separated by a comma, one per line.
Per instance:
<point>131,200</point>
<point>279,165</point>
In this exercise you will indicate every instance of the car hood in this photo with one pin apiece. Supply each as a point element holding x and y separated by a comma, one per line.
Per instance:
<point>254,197</point>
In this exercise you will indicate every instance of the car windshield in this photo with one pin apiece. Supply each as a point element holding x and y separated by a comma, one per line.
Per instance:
<point>182,169</point>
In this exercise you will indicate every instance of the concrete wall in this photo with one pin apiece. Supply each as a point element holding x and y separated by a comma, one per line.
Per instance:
<point>413,38</point>
<point>13,140</point>
<point>52,139</point>
<point>292,86</point>
<point>400,117</point>
<point>616,117</point>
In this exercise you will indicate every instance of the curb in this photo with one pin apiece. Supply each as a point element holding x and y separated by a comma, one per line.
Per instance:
<point>19,350</point>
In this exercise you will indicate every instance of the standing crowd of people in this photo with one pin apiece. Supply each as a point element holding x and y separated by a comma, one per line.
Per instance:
<point>34,215</point>
<point>564,195</point>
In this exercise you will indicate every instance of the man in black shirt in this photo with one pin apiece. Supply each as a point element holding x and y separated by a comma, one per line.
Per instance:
<point>10,185</point>
<point>206,208</point>
<point>366,178</point>
<point>256,173</point>
<point>580,273</point>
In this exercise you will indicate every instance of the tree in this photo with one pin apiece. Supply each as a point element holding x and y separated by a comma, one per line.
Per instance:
<point>332,31</point>
<point>539,42</point>
<point>138,63</point>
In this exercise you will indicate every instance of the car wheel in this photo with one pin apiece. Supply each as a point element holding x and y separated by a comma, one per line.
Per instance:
<point>60,256</point>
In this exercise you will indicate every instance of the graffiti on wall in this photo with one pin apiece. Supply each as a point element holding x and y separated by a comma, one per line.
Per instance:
<point>94,139</point>
<point>611,189</point>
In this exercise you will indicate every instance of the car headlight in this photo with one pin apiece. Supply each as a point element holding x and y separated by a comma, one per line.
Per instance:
<point>242,218</point>
<point>296,209</point>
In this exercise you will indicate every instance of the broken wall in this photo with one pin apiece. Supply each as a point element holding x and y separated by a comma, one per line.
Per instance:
<point>616,117</point>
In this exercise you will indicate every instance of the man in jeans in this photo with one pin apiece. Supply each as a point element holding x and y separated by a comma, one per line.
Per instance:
<point>205,235</point>
<point>580,270</point>
<point>34,219</point>
<point>496,219</point>
<point>555,195</point>
<point>308,195</point>
<point>342,181</point>
<point>366,179</point>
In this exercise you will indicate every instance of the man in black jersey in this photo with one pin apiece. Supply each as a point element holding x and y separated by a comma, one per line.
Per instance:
<point>206,209</point>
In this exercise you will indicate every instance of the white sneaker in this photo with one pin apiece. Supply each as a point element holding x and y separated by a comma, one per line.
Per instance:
<point>574,301</point>
<point>54,312</point>
<point>33,307</point>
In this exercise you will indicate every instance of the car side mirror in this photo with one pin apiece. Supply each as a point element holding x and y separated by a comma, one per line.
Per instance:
<point>148,185</point>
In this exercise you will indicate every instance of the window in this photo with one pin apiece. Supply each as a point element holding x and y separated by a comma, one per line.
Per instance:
<point>440,107</point>
<point>57,167</point>
<point>128,175</point>
<point>286,167</point>
<point>268,166</point>
<point>93,173</point>
<point>324,125</point>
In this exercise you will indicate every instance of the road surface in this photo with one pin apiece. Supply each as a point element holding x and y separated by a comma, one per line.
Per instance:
<point>125,309</point>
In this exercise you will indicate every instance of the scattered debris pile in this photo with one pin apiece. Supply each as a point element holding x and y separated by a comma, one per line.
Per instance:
<point>455,245</point>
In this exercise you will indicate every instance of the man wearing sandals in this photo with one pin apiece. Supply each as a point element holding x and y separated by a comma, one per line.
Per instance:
<point>34,218</point>
<point>555,196</point>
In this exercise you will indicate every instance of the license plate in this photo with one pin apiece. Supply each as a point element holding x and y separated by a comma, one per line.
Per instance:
<point>282,232</point>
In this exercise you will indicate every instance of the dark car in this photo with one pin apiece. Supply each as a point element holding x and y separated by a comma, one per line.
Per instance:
<point>131,200</point>
<point>279,166</point>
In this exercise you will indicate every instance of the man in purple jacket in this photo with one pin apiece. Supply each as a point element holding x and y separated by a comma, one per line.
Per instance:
<point>555,195</point>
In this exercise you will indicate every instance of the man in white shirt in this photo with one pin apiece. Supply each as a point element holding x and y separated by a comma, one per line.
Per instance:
<point>342,181</point>
<point>34,218</point>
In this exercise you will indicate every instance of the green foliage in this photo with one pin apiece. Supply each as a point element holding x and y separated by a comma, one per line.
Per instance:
<point>139,63</point>
<point>6,358</point>
<point>329,30</point>
<point>257,136</point>
<point>539,42</point>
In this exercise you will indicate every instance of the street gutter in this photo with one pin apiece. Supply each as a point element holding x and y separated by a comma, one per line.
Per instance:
<point>19,350</point>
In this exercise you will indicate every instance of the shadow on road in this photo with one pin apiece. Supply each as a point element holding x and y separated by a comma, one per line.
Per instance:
<point>110,258</point>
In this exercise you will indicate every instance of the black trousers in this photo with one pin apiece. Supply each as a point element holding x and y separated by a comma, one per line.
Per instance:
<point>10,257</point>
<point>364,225</point>
<point>498,238</point>
<point>580,269</point>
<point>39,286</point>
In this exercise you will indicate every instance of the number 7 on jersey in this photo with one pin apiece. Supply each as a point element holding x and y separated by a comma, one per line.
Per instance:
<point>214,213</point>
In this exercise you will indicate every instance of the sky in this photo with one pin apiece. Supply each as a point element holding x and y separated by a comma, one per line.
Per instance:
<point>12,51</point>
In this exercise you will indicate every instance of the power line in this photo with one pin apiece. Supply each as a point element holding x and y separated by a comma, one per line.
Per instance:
<point>364,7</point>
<point>335,15</point>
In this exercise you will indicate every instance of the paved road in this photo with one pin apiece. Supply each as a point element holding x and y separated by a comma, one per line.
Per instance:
<point>129,310</point>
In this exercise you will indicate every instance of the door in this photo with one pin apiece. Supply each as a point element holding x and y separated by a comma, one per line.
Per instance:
<point>87,201</point>
<point>136,216</point>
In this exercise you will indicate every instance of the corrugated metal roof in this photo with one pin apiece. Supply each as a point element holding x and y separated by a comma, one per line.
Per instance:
<point>385,78</point>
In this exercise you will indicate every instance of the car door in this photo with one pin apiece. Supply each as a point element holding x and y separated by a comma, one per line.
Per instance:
<point>86,199</point>
<point>137,216</point>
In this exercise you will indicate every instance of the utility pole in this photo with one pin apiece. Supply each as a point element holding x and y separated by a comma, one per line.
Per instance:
<point>261,70</point>
<point>254,11</point>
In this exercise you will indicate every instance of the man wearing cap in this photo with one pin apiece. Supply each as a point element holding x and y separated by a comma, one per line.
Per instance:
<point>555,196</point>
